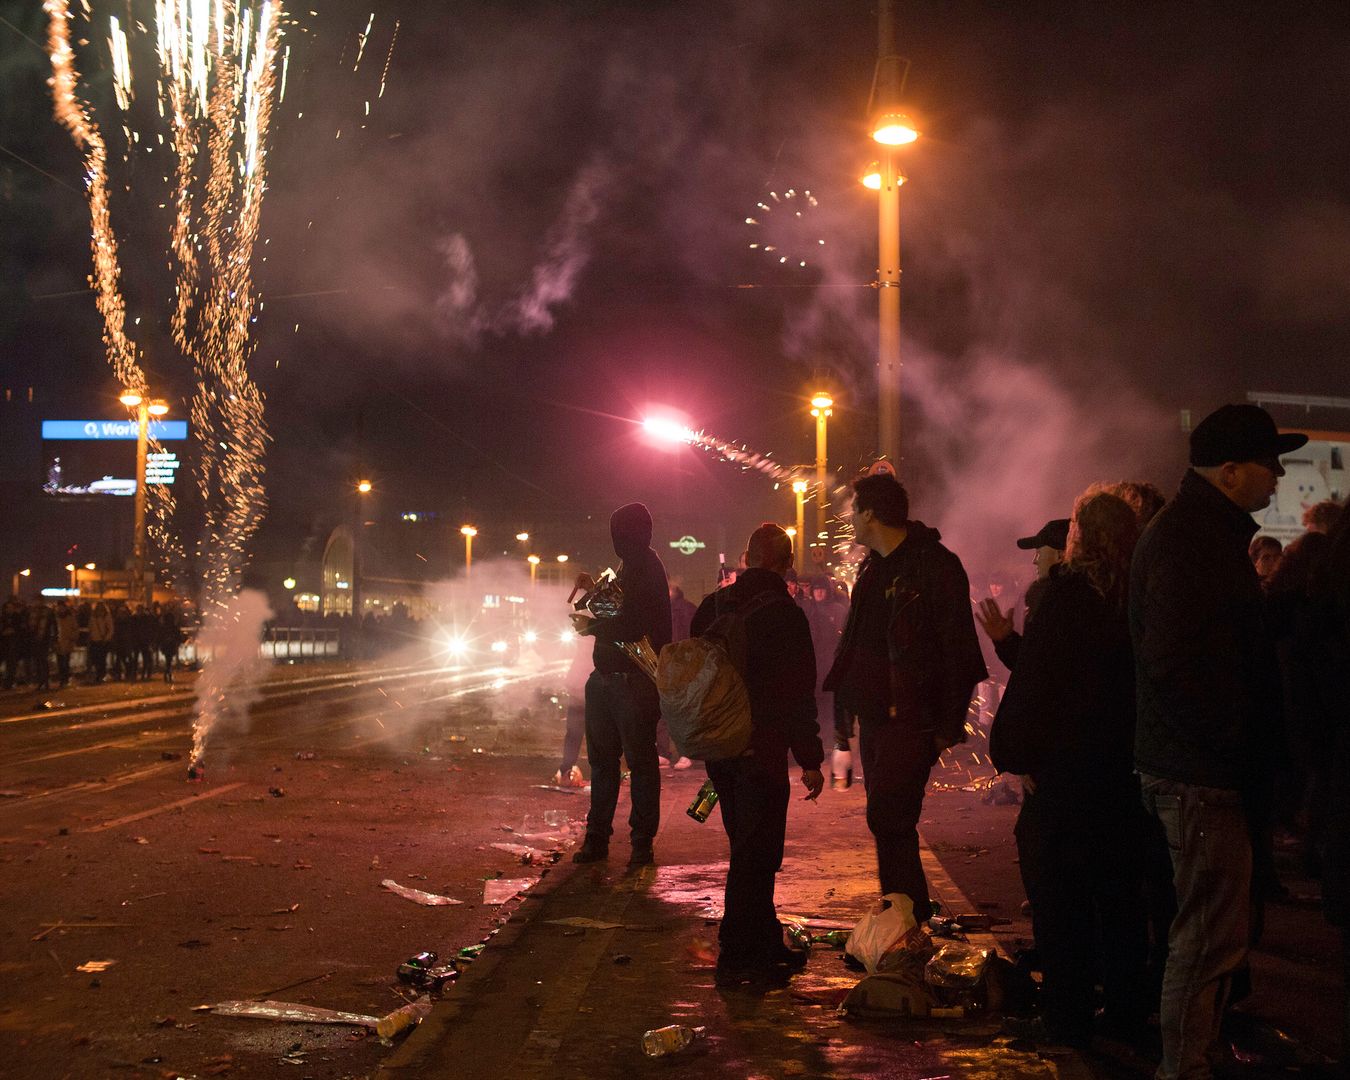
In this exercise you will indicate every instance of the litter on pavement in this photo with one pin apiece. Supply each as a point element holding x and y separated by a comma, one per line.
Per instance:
<point>417,896</point>
<point>287,1011</point>
<point>500,890</point>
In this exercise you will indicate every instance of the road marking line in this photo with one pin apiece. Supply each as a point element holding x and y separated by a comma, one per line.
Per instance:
<point>211,794</point>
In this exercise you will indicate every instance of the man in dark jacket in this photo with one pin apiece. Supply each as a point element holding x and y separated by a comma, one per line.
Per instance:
<point>1207,693</point>
<point>753,790</point>
<point>621,702</point>
<point>907,665</point>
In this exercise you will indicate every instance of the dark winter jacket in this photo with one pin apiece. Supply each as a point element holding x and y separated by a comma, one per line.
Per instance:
<point>646,594</point>
<point>1207,685</point>
<point>931,659</point>
<point>1067,717</point>
<point>780,668</point>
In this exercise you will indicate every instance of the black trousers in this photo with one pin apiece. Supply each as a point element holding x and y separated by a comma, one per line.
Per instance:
<point>621,712</point>
<point>753,798</point>
<point>572,735</point>
<point>1084,875</point>
<point>897,759</point>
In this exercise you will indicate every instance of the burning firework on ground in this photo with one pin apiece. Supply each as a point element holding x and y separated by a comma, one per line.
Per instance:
<point>215,83</point>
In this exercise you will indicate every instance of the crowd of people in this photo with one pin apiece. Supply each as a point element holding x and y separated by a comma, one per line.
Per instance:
<point>121,641</point>
<point>1175,697</point>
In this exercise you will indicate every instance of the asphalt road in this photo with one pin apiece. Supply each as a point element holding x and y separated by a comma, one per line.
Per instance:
<point>264,880</point>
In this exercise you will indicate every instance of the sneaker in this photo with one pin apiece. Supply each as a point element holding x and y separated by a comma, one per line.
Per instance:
<point>642,855</point>
<point>591,851</point>
<point>681,763</point>
<point>557,780</point>
<point>662,761</point>
<point>574,778</point>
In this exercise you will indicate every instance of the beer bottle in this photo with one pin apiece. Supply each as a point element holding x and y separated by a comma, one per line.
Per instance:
<point>703,802</point>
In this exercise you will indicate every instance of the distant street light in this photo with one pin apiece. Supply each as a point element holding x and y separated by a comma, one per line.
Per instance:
<point>289,583</point>
<point>364,486</point>
<point>822,407</point>
<point>71,567</point>
<point>523,537</point>
<point>144,410</point>
<point>562,558</point>
<point>799,490</point>
<point>19,574</point>
<point>468,532</point>
<point>533,560</point>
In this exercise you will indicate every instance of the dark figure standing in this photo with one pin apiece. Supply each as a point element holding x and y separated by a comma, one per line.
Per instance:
<point>169,637</point>
<point>996,623</point>
<point>145,635</point>
<point>753,790</point>
<point>124,643</point>
<point>907,665</point>
<point>13,638</point>
<point>621,702</point>
<point>41,642</point>
<point>1066,725</point>
<point>1208,696</point>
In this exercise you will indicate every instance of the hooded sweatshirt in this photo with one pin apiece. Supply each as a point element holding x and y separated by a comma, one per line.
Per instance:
<point>646,594</point>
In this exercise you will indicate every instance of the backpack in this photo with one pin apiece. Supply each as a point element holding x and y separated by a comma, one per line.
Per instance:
<point>703,696</point>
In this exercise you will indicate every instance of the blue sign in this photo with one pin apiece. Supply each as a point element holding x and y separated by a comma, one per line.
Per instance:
<point>163,430</point>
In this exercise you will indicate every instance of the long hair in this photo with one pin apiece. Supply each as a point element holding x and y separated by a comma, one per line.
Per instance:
<point>1102,534</point>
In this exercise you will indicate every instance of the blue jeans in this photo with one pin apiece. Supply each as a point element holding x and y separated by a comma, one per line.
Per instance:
<point>621,712</point>
<point>1211,852</point>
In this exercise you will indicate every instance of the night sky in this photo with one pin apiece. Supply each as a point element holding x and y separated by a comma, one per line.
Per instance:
<point>1116,212</point>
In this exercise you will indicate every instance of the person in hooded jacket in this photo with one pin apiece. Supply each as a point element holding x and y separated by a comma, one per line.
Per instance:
<point>907,665</point>
<point>622,706</point>
<point>753,789</point>
<point>1066,726</point>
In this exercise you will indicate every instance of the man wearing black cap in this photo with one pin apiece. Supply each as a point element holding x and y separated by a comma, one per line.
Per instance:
<point>1207,696</point>
<point>621,702</point>
<point>997,624</point>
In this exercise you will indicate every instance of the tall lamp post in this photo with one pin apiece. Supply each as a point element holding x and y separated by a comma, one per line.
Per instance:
<point>533,560</point>
<point>19,574</point>
<point>468,532</point>
<point>891,128</point>
<point>822,407</point>
<point>145,409</point>
<point>799,490</point>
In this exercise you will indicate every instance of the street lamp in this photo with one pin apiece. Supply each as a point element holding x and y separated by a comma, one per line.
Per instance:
<point>822,407</point>
<point>364,487</point>
<point>145,408</point>
<point>799,490</point>
<point>562,558</point>
<point>468,532</point>
<point>891,127</point>
<point>71,567</point>
<point>26,572</point>
<point>533,560</point>
<point>523,537</point>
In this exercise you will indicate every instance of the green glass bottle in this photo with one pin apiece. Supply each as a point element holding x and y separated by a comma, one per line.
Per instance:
<point>703,802</point>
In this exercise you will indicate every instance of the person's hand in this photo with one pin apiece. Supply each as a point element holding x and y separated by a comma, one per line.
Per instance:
<point>1028,785</point>
<point>996,623</point>
<point>814,782</point>
<point>585,583</point>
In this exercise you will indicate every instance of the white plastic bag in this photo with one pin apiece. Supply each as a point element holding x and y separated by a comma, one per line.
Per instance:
<point>888,920</point>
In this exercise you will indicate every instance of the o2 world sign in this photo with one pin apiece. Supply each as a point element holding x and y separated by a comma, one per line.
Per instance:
<point>687,545</point>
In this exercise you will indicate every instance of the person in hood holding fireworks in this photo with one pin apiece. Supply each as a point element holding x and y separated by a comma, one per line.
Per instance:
<point>622,706</point>
<point>907,665</point>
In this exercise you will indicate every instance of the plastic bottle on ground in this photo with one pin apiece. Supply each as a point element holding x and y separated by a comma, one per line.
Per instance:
<point>663,1041</point>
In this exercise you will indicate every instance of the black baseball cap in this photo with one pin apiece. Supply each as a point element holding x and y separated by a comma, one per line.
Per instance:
<point>1240,433</point>
<point>1054,534</point>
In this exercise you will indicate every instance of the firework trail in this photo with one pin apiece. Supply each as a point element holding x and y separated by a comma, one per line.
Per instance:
<point>737,454</point>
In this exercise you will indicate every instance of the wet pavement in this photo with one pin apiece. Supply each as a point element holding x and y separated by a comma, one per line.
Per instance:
<point>553,999</point>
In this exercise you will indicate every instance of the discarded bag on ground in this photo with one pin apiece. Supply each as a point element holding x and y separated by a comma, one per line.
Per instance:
<point>887,996</point>
<point>888,920</point>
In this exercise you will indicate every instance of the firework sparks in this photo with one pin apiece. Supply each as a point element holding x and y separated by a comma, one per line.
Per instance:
<point>784,228</point>
<point>741,456</point>
<point>215,89</point>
